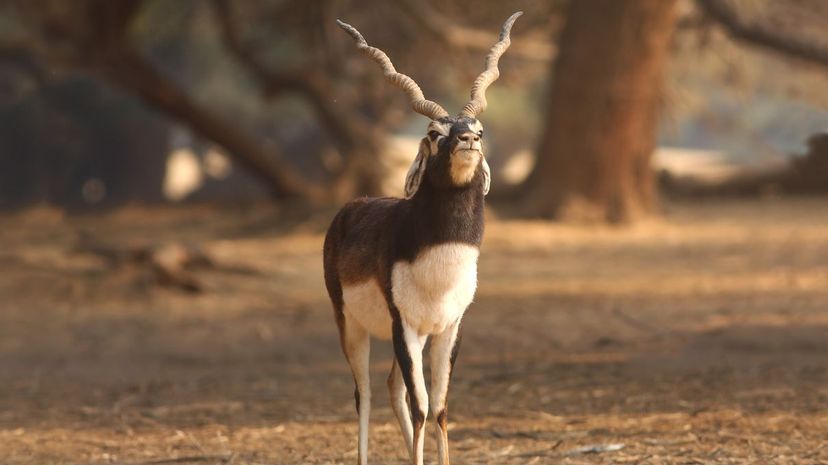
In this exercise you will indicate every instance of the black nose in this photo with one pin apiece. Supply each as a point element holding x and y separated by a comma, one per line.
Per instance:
<point>468,136</point>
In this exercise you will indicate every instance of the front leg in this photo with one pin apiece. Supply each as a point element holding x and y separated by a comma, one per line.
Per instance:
<point>398,394</point>
<point>444,349</point>
<point>408,350</point>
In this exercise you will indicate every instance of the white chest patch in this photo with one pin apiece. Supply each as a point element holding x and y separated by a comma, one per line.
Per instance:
<point>434,291</point>
<point>431,293</point>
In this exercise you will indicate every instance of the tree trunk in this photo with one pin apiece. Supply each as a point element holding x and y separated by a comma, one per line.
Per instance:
<point>358,142</point>
<point>132,72</point>
<point>594,158</point>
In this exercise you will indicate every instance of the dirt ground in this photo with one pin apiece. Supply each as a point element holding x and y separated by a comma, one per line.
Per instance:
<point>698,338</point>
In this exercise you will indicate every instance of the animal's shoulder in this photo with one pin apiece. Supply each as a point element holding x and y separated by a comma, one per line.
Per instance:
<point>367,211</point>
<point>365,232</point>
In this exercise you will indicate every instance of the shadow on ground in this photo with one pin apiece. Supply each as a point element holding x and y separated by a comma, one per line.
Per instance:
<point>674,338</point>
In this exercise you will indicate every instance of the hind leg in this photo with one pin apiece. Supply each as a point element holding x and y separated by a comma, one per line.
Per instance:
<point>356,343</point>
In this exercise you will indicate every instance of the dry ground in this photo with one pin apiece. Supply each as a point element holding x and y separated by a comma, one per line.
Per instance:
<point>700,338</point>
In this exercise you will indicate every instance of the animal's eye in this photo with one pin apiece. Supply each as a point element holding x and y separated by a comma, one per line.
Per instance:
<point>433,135</point>
<point>480,133</point>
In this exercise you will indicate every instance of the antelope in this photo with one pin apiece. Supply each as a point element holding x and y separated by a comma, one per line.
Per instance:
<point>405,269</point>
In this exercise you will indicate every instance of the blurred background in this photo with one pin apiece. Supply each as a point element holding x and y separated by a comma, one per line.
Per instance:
<point>107,103</point>
<point>654,273</point>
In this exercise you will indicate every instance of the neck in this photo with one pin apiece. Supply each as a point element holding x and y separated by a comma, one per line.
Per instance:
<point>448,214</point>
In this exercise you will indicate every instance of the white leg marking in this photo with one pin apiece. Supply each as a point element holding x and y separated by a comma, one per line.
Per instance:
<point>357,346</point>
<point>441,348</point>
<point>418,395</point>
<point>396,387</point>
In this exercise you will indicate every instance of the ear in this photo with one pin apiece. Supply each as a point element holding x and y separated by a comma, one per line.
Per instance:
<point>417,170</point>
<point>487,175</point>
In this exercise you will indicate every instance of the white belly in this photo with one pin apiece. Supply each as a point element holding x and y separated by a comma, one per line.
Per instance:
<point>431,293</point>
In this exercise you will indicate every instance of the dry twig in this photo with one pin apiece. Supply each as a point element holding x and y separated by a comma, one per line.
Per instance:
<point>225,459</point>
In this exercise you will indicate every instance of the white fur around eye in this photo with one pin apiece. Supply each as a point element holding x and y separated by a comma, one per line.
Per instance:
<point>434,144</point>
<point>476,127</point>
<point>440,128</point>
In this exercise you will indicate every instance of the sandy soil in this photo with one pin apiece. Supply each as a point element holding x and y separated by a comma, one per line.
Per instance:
<point>698,338</point>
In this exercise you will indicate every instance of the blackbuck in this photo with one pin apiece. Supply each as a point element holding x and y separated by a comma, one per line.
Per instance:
<point>405,269</point>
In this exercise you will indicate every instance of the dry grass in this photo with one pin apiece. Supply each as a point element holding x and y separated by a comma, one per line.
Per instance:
<point>700,338</point>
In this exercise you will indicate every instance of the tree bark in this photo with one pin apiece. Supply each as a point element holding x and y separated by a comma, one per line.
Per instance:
<point>95,37</point>
<point>762,36</point>
<point>358,142</point>
<point>593,162</point>
<point>132,72</point>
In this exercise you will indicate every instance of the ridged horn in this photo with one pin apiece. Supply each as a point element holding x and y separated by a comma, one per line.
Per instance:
<point>415,94</point>
<point>478,92</point>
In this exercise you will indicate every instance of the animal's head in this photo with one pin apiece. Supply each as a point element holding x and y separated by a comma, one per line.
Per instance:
<point>451,153</point>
